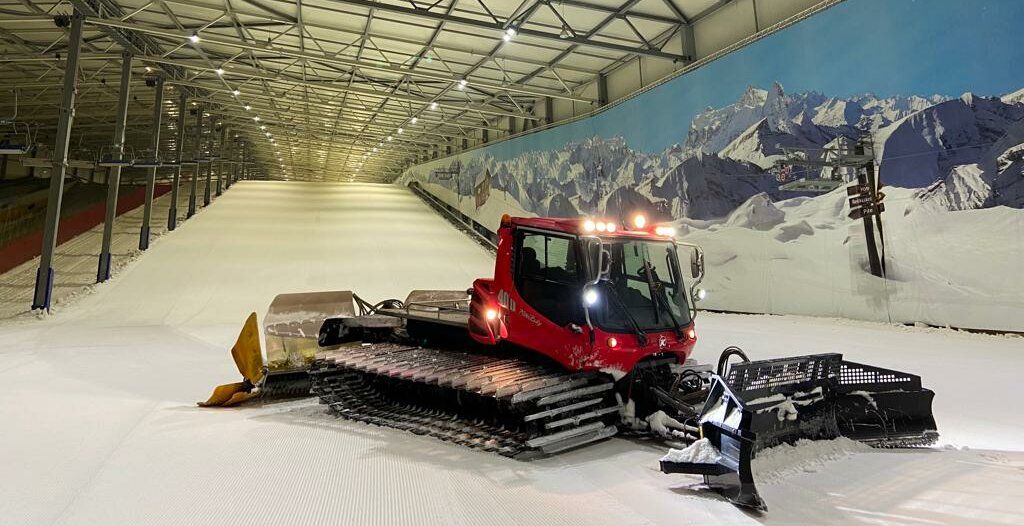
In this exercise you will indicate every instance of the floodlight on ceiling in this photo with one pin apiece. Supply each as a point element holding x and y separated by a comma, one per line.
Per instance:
<point>219,71</point>
<point>247,108</point>
<point>236,92</point>
<point>194,38</point>
<point>433,105</point>
<point>414,119</point>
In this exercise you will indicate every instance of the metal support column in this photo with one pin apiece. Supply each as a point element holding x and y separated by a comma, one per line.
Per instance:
<point>549,110</point>
<point>114,172</point>
<point>208,189</point>
<point>44,276</point>
<point>196,154</point>
<point>172,213</point>
<point>222,155</point>
<point>147,210</point>
<point>602,90</point>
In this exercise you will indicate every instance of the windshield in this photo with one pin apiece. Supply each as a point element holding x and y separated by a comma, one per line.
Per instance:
<point>644,289</point>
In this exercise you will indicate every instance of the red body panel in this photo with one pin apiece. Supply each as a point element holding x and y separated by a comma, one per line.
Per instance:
<point>517,322</point>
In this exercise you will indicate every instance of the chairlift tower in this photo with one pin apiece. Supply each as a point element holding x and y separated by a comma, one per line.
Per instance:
<point>864,196</point>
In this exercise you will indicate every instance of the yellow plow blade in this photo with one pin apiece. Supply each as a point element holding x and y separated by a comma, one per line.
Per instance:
<point>249,360</point>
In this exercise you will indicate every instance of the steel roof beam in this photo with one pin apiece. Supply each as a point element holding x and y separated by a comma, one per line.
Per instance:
<point>498,28</point>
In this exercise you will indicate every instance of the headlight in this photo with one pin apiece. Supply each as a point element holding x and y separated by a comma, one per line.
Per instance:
<point>590,296</point>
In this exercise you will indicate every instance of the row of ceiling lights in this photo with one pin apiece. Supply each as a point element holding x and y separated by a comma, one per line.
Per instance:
<point>507,36</point>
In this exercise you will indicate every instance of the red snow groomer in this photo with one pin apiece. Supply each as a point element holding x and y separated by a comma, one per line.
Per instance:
<point>585,328</point>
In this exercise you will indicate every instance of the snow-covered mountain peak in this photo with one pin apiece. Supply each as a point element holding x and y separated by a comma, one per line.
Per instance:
<point>753,97</point>
<point>1016,97</point>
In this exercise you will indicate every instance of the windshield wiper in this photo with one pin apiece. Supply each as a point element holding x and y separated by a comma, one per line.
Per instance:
<point>657,292</point>
<point>641,336</point>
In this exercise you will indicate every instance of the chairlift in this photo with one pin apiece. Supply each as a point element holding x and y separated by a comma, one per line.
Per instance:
<point>16,138</point>
<point>111,158</point>
<point>148,159</point>
<point>41,158</point>
<point>82,157</point>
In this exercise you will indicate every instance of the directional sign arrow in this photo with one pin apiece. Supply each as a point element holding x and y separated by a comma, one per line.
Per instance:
<point>860,200</point>
<point>868,209</point>
<point>857,189</point>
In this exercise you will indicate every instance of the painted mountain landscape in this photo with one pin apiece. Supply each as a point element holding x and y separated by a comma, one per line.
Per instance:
<point>964,152</point>
<point>943,119</point>
<point>773,250</point>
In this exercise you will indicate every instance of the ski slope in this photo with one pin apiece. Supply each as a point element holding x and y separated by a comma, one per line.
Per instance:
<point>98,423</point>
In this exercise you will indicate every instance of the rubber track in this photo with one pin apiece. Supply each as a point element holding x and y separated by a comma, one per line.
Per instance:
<point>503,405</point>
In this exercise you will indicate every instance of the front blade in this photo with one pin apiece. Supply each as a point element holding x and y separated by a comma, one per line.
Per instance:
<point>223,394</point>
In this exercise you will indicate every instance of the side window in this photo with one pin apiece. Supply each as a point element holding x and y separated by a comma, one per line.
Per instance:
<point>549,258</point>
<point>547,276</point>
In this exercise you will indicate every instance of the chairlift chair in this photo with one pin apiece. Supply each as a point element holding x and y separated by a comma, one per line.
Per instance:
<point>82,158</point>
<point>148,159</point>
<point>16,138</point>
<point>110,157</point>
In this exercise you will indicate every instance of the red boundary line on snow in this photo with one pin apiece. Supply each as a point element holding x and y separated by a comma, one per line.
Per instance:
<point>30,245</point>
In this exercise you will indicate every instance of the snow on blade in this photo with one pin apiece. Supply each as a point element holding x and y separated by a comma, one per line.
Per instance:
<point>786,405</point>
<point>699,452</point>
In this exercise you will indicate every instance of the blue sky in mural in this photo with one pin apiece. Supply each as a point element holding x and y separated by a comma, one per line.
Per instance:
<point>885,47</point>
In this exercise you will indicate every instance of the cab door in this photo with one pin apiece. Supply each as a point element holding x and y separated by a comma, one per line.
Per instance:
<point>548,278</point>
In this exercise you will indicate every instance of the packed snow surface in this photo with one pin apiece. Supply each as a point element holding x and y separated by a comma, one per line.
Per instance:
<point>776,464</point>
<point>98,423</point>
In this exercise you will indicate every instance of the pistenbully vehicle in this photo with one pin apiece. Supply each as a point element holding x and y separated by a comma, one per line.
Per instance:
<point>586,326</point>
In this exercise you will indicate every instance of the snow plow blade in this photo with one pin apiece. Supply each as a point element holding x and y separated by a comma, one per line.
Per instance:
<point>757,405</point>
<point>290,327</point>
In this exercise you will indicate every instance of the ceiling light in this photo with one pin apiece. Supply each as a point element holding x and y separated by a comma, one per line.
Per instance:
<point>510,32</point>
<point>433,105</point>
<point>264,127</point>
<point>414,119</point>
<point>401,131</point>
<point>463,83</point>
<point>256,118</point>
<point>506,37</point>
<point>149,69</point>
<point>565,32</point>
<point>248,107</point>
<point>375,149</point>
<point>219,71</point>
<point>390,137</point>
<point>236,92</point>
<point>194,38</point>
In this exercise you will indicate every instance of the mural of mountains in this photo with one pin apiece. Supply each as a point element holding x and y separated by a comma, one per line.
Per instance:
<point>963,153</point>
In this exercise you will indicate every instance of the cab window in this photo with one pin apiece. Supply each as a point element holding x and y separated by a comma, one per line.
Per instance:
<point>547,276</point>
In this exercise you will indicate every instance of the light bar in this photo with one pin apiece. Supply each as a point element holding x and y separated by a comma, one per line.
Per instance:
<point>666,231</point>
<point>589,225</point>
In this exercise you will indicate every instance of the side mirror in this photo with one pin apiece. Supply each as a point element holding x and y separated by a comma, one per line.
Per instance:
<point>605,264</point>
<point>696,264</point>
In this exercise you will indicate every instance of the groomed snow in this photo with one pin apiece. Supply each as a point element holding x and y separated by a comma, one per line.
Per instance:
<point>99,424</point>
